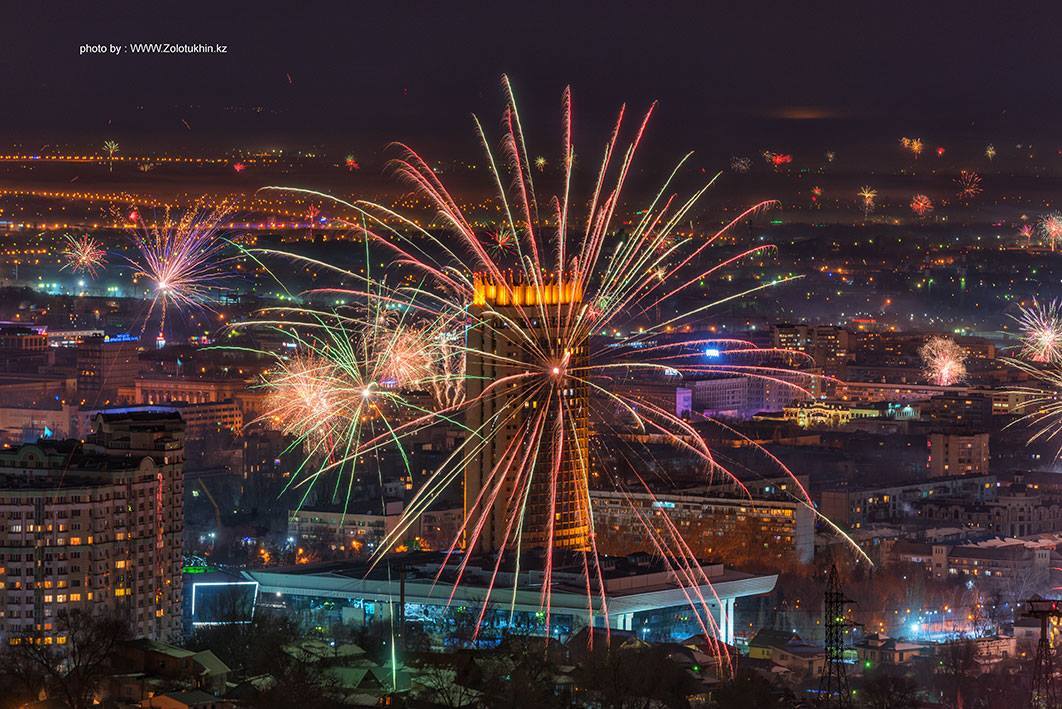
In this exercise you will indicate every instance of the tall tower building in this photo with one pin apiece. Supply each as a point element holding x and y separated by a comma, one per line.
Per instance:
<point>95,526</point>
<point>512,472</point>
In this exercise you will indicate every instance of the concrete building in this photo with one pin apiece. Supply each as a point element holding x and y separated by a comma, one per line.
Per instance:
<point>555,510</point>
<point>830,346</point>
<point>1008,564</point>
<point>728,527</point>
<point>857,505</point>
<point>169,390</point>
<point>742,397</point>
<point>96,526</point>
<point>958,453</point>
<point>357,529</point>
<point>1015,511</point>
<point>103,365</point>
<point>24,424</point>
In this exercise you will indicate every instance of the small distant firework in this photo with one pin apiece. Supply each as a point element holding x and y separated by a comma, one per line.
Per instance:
<point>777,160</point>
<point>740,164</point>
<point>921,205</point>
<point>969,184</point>
<point>990,151</point>
<point>84,254</point>
<point>502,241</point>
<point>133,216</point>
<point>239,166</point>
<point>816,194</point>
<point>1050,226</point>
<point>940,151</point>
<point>540,163</point>
<point>111,148</point>
<point>1041,331</point>
<point>351,163</point>
<point>915,146</point>
<point>869,195</point>
<point>944,361</point>
<point>146,166</point>
<point>830,156</point>
<point>1027,232</point>
<point>183,261</point>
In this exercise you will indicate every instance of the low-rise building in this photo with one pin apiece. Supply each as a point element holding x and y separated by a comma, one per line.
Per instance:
<point>857,505</point>
<point>958,453</point>
<point>356,529</point>
<point>765,522</point>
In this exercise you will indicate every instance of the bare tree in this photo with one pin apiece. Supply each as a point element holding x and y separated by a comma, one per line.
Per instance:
<point>74,669</point>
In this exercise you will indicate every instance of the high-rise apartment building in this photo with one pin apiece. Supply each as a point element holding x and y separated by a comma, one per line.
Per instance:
<point>95,526</point>
<point>104,364</point>
<point>518,329</point>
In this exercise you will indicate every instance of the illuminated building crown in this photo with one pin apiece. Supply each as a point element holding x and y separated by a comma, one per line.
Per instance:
<point>512,290</point>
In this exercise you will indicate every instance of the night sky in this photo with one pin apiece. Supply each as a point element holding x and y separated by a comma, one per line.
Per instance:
<point>731,78</point>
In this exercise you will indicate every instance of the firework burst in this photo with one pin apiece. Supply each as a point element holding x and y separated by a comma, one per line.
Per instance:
<point>969,183</point>
<point>990,151</point>
<point>1050,227</point>
<point>944,361</point>
<point>1041,328</point>
<point>363,378</point>
<point>84,254</point>
<point>111,148</point>
<point>921,205</point>
<point>915,146</point>
<point>740,164</point>
<point>183,262</point>
<point>538,374</point>
<point>869,196</point>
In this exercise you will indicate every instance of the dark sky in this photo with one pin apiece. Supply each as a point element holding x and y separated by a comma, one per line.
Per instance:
<point>729,76</point>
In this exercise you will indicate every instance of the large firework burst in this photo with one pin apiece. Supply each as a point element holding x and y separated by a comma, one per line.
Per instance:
<point>84,254</point>
<point>582,302</point>
<point>1041,329</point>
<point>944,361</point>
<point>1051,228</point>
<point>183,261</point>
<point>362,378</point>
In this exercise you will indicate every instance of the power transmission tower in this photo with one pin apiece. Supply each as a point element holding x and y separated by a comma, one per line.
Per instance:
<point>1043,690</point>
<point>833,685</point>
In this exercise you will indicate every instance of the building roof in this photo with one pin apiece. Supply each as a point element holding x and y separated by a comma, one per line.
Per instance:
<point>631,584</point>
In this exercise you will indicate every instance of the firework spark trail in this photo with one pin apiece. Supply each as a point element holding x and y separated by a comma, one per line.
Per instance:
<point>1041,328</point>
<point>184,261</point>
<point>564,283</point>
<point>84,254</point>
<point>1041,405</point>
<point>944,361</point>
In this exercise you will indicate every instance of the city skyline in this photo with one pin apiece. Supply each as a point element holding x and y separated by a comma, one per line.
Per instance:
<point>585,355</point>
